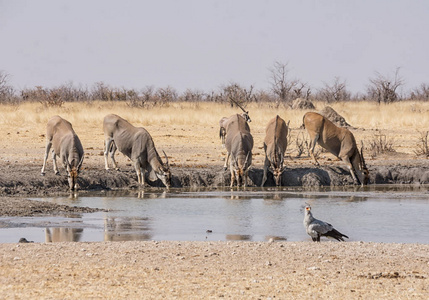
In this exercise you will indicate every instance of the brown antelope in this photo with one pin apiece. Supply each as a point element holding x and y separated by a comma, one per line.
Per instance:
<point>275,144</point>
<point>137,144</point>
<point>239,144</point>
<point>66,144</point>
<point>339,141</point>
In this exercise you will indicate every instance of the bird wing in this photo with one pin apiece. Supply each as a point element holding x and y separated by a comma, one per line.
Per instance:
<point>320,226</point>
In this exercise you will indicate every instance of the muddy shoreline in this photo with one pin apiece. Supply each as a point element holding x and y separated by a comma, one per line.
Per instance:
<point>24,180</point>
<point>19,181</point>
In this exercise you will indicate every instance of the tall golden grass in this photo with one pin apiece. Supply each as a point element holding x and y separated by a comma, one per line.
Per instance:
<point>368,115</point>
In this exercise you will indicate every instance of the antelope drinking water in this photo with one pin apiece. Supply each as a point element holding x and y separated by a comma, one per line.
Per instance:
<point>239,144</point>
<point>136,143</point>
<point>66,144</point>
<point>339,141</point>
<point>275,144</point>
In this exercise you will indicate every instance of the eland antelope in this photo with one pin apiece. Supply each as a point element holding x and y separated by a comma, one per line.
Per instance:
<point>275,144</point>
<point>66,144</point>
<point>339,141</point>
<point>136,143</point>
<point>239,144</point>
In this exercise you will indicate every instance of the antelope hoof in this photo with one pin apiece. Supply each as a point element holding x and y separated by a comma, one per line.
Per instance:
<point>43,173</point>
<point>57,173</point>
<point>225,168</point>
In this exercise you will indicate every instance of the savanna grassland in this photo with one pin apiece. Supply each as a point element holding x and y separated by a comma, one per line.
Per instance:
<point>189,132</point>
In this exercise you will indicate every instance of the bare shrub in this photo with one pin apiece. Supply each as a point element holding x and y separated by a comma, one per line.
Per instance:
<point>335,92</point>
<point>303,145</point>
<point>7,92</point>
<point>281,85</point>
<point>237,95</point>
<point>213,97</point>
<point>380,144</point>
<point>165,95</point>
<point>421,93</point>
<point>192,96</point>
<point>384,89</point>
<point>101,91</point>
<point>422,144</point>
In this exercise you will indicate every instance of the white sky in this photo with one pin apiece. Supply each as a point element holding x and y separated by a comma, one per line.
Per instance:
<point>204,44</point>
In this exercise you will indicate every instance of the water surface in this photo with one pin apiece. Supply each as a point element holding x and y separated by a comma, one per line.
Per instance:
<point>377,213</point>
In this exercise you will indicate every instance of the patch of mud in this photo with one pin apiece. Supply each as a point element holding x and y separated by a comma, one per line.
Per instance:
<point>20,181</point>
<point>23,180</point>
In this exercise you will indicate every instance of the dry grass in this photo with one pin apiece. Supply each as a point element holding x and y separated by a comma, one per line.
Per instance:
<point>368,115</point>
<point>189,132</point>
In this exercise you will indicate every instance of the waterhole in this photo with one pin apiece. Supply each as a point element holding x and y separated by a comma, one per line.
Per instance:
<point>397,214</point>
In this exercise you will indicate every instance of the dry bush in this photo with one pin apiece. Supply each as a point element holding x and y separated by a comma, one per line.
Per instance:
<point>380,144</point>
<point>335,92</point>
<point>422,145</point>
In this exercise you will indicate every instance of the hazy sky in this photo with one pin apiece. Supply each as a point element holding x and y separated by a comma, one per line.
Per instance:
<point>204,44</point>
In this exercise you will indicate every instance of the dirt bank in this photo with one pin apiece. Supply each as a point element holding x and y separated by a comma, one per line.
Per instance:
<point>25,180</point>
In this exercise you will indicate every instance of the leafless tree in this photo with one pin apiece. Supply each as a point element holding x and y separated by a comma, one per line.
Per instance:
<point>421,93</point>
<point>384,89</point>
<point>234,93</point>
<point>281,85</point>
<point>193,96</point>
<point>7,92</point>
<point>335,92</point>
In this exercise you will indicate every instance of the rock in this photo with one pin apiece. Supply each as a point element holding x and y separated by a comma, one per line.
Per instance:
<point>300,103</point>
<point>334,117</point>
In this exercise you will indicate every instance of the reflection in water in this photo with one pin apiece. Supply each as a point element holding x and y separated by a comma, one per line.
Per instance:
<point>60,234</point>
<point>275,238</point>
<point>126,229</point>
<point>253,214</point>
<point>238,237</point>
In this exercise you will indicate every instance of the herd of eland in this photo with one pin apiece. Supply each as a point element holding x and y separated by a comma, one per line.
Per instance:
<point>137,144</point>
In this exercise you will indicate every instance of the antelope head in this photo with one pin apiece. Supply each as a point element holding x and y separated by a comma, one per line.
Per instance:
<point>241,171</point>
<point>73,172</point>
<point>276,167</point>
<point>245,115</point>
<point>164,173</point>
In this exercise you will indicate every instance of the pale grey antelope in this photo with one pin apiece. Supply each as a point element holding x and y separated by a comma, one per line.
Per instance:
<point>275,144</point>
<point>66,144</point>
<point>136,143</point>
<point>239,144</point>
<point>339,141</point>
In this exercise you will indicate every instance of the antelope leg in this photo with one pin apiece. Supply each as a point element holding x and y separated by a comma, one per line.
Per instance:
<point>264,177</point>
<point>45,158</point>
<point>225,166</point>
<point>352,170</point>
<point>313,145</point>
<point>54,160</point>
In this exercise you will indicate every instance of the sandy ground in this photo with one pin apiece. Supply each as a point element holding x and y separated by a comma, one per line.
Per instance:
<point>196,270</point>
<point>206,270</point>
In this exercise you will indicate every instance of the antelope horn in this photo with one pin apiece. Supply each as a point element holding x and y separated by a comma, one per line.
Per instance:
<point>245,162</point>
<point>236,103</point>
<point>80,163</point>
<point>166,158</point>
<point>361,156</point>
